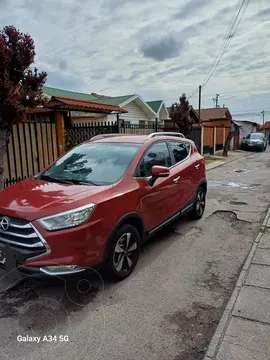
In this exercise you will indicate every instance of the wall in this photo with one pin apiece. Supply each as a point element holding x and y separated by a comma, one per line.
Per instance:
<point>135,113</point>
<point>214,138</point>
<point>91,119</point>
<point>245,130</point>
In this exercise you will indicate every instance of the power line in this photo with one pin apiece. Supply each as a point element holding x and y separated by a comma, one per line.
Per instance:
<point>228,36</point>
<point>240,112</point>
<point>228,94</point>
<point>228,40</point>
<point>193,94</point>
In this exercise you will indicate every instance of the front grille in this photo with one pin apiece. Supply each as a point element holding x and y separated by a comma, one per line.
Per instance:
<point>20,233</point>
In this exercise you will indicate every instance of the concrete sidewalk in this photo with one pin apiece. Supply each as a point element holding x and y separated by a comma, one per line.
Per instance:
<point>243,332</point>
<point>221,160</point>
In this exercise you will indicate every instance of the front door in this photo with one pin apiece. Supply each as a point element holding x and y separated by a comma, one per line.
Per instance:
<point>157,201</point>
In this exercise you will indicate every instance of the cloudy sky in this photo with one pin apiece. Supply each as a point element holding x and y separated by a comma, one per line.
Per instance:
<point>158,49</point>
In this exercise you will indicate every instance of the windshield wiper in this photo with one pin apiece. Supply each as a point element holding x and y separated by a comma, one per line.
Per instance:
<point>80,182</point>
<point>54,179</point>
<point>67,180</point>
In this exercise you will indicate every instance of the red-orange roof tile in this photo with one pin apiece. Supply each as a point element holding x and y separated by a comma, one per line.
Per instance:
<point>214,114</point>
<point>89,104</point>
<point>266,125</point>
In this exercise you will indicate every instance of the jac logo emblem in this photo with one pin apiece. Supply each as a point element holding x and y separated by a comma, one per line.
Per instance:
<point>4,223</point>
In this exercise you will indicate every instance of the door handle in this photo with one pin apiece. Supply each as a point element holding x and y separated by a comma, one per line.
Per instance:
<point>197,166</point>
<point>176,179</point>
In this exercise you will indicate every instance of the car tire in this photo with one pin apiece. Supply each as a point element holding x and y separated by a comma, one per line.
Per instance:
<point>123,253</point>
<point>199,205</point>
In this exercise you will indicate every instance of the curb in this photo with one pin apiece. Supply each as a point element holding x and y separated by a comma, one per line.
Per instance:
<point>226,316</point>
<point>226,162</point>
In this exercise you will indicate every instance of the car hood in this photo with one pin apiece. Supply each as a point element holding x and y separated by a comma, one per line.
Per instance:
<point>31,199</point>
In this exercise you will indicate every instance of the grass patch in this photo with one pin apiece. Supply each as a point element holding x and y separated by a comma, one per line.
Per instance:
<point>209,160</point>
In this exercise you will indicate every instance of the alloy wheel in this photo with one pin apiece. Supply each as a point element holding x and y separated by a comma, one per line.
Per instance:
<point>125,252</point>
<point>200,203</point>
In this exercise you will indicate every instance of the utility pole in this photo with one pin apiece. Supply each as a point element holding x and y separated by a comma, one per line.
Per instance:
<point>263,116</point>
<point>216,100</point>
<point>200,99</point>
<point>217,96</point>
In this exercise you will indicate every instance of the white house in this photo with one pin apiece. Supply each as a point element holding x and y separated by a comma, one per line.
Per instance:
<point>137,110</point>
<point>245,128</point>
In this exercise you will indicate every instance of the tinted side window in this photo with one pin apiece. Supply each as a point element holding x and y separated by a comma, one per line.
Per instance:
<point>180,150</point>
<point>158,154</point>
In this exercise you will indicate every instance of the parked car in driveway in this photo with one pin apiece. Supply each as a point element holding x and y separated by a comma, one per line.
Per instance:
<point>98,203</point>
<point>255,141</point>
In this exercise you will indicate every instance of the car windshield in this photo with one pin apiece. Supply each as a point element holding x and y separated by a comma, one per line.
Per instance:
<point>256,136</point>
<point>93,164</point>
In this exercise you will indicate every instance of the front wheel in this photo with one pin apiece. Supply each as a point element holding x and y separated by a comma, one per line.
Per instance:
<point>123,253</point>
<point>199,205</point>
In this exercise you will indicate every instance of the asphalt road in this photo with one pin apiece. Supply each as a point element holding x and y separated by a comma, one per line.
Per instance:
<point>171,304</point>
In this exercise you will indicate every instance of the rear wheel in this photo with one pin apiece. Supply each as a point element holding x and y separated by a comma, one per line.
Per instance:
<point>123,253</point>
<point>199,205</point>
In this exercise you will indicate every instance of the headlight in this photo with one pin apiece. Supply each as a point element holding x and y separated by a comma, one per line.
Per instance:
<point>67,219</point>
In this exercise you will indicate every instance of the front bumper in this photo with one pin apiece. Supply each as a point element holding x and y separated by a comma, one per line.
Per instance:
<point>65,253</point>
<point>253,146</point>
<point>45,273</point>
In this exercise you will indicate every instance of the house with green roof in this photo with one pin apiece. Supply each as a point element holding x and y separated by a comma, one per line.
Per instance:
<point>137,111</point>
<point>160,109</point>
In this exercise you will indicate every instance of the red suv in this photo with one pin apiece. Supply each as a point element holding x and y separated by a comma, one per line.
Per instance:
<point>99,202</point>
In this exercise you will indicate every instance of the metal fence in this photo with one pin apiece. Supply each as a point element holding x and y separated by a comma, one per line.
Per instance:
<point>80,132</point>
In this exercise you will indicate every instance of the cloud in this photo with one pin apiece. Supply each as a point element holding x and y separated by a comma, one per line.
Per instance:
<point>162,48</point>
<point>265,13</point>
<point>191,7</point>
<point>156,49</point>
<point>63,64</point>
<point>172,70</point>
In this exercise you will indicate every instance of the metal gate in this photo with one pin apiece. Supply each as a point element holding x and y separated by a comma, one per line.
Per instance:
<point>33,145</point>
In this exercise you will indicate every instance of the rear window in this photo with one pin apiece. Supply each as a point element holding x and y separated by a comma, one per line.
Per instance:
<point>99,163</point>
<point>180,150</point>
<point>256,136</point>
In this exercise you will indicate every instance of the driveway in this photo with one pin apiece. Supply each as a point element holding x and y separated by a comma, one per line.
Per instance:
<point>171,304</point>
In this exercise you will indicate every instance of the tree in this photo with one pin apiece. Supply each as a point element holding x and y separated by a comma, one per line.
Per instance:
<point>228,140</point>
<point>179,113</point>
<point>20,85</point>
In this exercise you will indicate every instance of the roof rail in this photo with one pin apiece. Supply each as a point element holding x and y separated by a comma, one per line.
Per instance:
<point>102,136</point>
<point>162,133</point>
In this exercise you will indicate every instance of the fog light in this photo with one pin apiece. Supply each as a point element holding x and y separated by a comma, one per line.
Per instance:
<point>61,269</point>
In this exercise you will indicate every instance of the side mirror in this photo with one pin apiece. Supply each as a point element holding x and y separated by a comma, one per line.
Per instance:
<point>244,138</point>
<point>158,172</point>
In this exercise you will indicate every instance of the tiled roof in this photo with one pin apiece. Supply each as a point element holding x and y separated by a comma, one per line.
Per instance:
<point>116,100</point>
<point>193,113</point>
<point>100,96</point>
<point>155,105</point>
<point>214,114</point>
<point>89,105</point>
<point>68,94</point>
<point>266,125</point>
